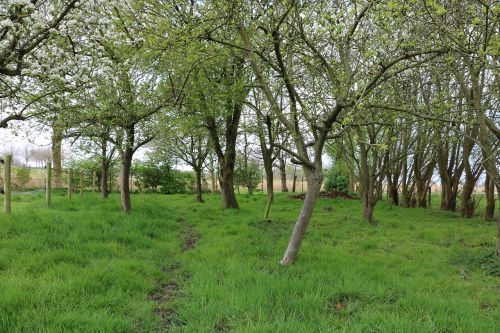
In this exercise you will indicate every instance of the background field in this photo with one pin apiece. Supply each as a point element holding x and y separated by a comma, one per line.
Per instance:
<point>178,266</point>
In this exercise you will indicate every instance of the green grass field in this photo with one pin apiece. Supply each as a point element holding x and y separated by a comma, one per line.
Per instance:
<point>177,266</point>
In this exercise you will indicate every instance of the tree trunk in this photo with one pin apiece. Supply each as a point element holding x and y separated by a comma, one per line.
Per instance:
<point>104,181</point>
<point>352,180</point>
<point>104,173</point>
<point>369,201</point>
<point>294,183</point>
<point>199,186</point>
<point>314,180</point>
<point>57,158</point>
<point>445,192</point>
<point>379,190</point>
<point>282,167</point>
<point>421,193</point>
<point>213,176</point>
<point>467,208</point>
<point>227,187</point>
<point>392,191</point>
<point>368,208</point>
<point>124,179</point>
<point>269,187</point>
<point>489,190</point>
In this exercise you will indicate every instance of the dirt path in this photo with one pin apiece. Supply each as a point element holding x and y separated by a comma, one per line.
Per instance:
<point>166,292</point>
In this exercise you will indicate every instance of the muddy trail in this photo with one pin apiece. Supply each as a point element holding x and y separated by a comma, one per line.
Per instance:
<point>167,291</point>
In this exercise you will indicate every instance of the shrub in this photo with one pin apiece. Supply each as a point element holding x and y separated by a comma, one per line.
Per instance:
<point>247,174</point>
<point>23,176</point>
<point>160,177</point>
<point>337,180</point>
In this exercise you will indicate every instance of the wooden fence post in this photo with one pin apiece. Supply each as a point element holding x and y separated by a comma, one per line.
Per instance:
<point>81,183</point>
<point>48,189</point>
<point>70,190</point>
<point>7,183</point>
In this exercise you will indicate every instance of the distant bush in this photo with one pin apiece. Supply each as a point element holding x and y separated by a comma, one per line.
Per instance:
<point>23,176</point>
<point>153,177</point>
<point>87,166</point>
<point>337,180</point>
<point>179,182</point>
<point>247,174</point>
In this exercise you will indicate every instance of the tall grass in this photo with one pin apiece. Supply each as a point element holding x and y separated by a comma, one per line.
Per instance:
<point>83,266</point>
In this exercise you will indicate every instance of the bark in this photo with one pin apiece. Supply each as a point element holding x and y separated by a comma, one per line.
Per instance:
<point>124,179</point>
<point>471,176</point>
<point>199,186</point>
<point>421,188</point>
<point>294,182</point>
<point>104,171</point>
<point>368,208</point>
<point>104,180</point>
<point>226,159</point>
<point>233,109</point>
<point>227,187</point>
<point>450,172</point>
<point>392,188</point>
<point>467,207</point>
<point>213,177</point>
<point>489,189</point>
<point>57,157</point>
<point>268,167</point>
<point>424,162</point>
<point>379,190</point>
<point>407,184</point>
<point>282,168</point>
<point>368,184</point>
<point>314,180</point>
<point>422,177</point>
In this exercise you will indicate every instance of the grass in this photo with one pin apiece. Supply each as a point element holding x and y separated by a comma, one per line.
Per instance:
<point>83,266</point>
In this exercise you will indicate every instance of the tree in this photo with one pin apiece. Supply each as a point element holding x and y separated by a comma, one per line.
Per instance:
<point>189,145</point>
<point>295,33</point>
<point>27,29</point>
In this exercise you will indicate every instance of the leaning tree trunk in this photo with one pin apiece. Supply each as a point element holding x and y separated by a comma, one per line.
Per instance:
<point>199,186</point>
<point>314,179</point>
<point>125,179</point>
